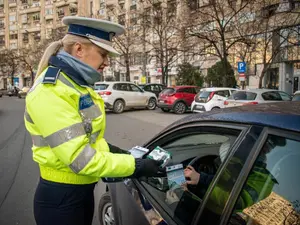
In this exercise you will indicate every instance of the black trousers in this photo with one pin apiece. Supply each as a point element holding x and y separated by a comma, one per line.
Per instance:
<point>63,204</point>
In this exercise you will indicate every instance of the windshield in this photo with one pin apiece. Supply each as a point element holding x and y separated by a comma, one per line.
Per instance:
<point>100,87</point>
<point>243,95</point>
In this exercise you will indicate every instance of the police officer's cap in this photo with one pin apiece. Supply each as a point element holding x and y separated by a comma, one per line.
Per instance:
<point>100,32</point>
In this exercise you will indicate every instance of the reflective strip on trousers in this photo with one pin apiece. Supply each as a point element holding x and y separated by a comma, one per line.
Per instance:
<point>27,117</point>
<point>39,141</point>
<point>82,159</point>
<point>66,134</point>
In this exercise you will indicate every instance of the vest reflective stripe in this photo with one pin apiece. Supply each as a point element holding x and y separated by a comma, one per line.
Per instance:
<point>27,117</point>
<point>82,159</point>
<point>38,141</point>
<point>94,137</point>
<point>65,135</point>
<point>90,113</point>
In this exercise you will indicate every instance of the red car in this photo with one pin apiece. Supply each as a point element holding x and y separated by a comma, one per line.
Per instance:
<point>178,98</point>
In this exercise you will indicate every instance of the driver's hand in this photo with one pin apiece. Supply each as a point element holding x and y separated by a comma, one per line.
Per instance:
<point>191,175</point>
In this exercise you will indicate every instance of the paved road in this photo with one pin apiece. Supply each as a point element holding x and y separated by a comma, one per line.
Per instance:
<point>19,174</point>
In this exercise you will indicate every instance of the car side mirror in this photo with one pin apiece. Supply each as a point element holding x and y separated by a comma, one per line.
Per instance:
<point>112,180</point>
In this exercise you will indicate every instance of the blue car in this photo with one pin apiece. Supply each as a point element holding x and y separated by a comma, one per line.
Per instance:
<point>247,160</point>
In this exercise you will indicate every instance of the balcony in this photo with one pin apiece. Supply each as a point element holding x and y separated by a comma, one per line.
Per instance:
<point>31,29</point>
<point>12,4</point>
<point>61,4</point>
<point>49,17</point>
<point>111,2</point>
<point>60,14</point>
<point>73,1</point>
<point>27,9</point>
<point>2,32</point>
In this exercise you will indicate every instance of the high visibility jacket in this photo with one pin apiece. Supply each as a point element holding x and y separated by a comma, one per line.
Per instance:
<point>67,123</point>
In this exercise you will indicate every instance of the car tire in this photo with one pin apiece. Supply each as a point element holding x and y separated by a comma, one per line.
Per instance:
<point>215,109</point>
<point>119,106</point>
<point>165,110</point>
<point>106,216</point>
<point>151,104</point>
<point>179,108</point>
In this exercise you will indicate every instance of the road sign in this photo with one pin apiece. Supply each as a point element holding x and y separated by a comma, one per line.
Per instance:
<point>241,67</point>
<point>242,77</point>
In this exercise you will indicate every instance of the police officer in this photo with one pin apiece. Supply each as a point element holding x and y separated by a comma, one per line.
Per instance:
<point>66,120</point>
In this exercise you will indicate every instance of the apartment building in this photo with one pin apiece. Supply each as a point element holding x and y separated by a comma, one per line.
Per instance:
<point>24,23</point>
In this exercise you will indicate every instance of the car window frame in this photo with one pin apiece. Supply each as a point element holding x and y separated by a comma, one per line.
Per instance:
<point>157,140</point>
<point>139,89</point>
<point>254,153</point>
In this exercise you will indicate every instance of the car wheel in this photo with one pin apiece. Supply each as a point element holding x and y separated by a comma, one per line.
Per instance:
<point>106,216</point>
<point>119,106</point>
<point>215,109</point>
<point>165,110</point>
<point>151,104</point>
<point>179,108</point>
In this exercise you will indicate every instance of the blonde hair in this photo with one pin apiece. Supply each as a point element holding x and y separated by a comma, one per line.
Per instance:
<point>66,43</point>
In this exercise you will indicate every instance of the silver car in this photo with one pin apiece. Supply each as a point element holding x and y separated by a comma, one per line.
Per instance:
<point>256,96</point>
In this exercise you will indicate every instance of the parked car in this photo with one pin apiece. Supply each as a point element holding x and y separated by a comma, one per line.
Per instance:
<point>256,96</point>
<point>119,96</point>
<point>13,92</point>
<point>154,88</point>
<point>250,152</point>
<point>178,98</point>
<point>296,96</point>
<point>211,99</point>
<point>23,92</point>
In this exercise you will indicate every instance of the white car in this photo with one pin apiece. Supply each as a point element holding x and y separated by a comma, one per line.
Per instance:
<point>256,96</point>
<point>119,96</point>
<point>211,99</point>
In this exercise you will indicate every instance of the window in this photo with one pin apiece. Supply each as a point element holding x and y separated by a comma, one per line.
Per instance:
<point>147,88</point>
<point>155,88</point>
<point>271,96</point>
<point>271,193</point>
<point>13,36</point>
<point>243,95</point>
<point>187,90</point>
<point>121,87</point>
<point>36,17</point>
<point>12,18</point>
<point>49,11</point>
<point>285,96</point>
<point>168,91</point>
<point>100,87</point>
<point>135,88</point>
<point>223,93</point>
<point>203,148</point>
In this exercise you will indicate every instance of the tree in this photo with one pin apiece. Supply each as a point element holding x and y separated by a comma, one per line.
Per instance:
<point>30,57</point>
<point>9,63</point>
<point>189,75</point>
<point>215,76</point>
<point>220,25</point>
<point>277,36</point>
<point>163,33</point>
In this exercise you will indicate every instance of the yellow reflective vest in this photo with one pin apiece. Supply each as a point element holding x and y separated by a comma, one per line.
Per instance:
<point>67,123</point>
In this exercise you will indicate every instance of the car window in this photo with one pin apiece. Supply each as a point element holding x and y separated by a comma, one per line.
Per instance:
<point>121,87</point>
<point>296,97</point>
<point>285,96</point>
<point>147,88</point>
<point>243,95</point>
<point>155,88</point>
<point>223,93</point>
<point>186,90</point>
<point>100,87</point>
<point>134,88</point>
<point>205,150</point>
<point>271,193</point>
<point>168,91</point>
<point>271,96</point>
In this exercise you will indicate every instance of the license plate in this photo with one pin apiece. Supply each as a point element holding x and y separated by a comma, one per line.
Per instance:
<point>161,101</point>
<point>199,107</point>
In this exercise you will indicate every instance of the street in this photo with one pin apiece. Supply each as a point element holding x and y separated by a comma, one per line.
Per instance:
<point>19,174</point>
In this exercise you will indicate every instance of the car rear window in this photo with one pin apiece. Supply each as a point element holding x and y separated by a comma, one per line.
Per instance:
<point>100,87</point>
<point>168,91</point>
<point>243,95</point>
<point>204,94</point>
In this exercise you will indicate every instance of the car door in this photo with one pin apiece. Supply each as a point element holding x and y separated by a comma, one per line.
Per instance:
<point>121,90</point>
<point>206,146</point>
<point>188,94</point>
<point>138,97</point>
<point>269,193</point>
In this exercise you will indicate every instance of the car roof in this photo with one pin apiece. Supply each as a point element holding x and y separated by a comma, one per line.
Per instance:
<point>257,90</point>
<point>282,115</point>
<point>114,82</point>
<point>218,88</point>
<point>297,92</point>
<point>181,86</point>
